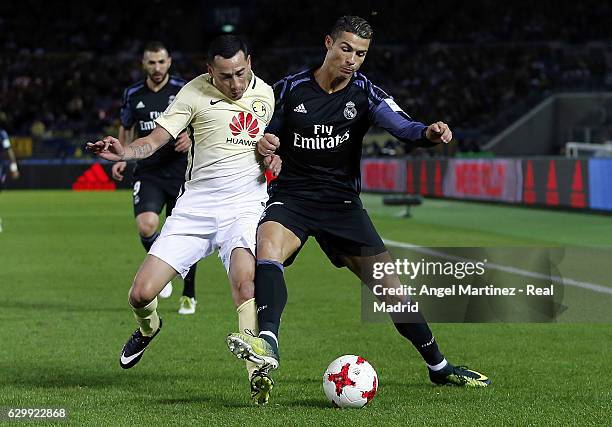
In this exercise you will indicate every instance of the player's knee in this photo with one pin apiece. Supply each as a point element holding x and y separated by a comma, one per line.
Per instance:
<point>269,249</point>
<point>392,300</point>
<point>243,290</point>
<point>147,225</point>
<point>147,229</point>
<point>139,298</point>
<point>140,293</point>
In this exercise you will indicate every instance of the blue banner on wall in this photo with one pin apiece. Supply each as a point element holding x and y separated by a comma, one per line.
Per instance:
<point>600,183</point>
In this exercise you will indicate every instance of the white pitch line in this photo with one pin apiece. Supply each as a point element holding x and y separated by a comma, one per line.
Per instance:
<point>518,271</point>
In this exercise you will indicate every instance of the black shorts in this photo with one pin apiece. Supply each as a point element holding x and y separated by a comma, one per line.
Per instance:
<point>151,193</point>
<point>339,229</point>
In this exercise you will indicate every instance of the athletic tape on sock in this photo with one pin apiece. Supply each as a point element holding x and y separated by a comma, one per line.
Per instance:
<point>242,306</point>
<point>147,317</point>
<point>271,262</point>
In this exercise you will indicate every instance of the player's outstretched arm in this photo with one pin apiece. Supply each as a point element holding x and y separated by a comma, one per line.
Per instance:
<point>389,116</point>
<point>110,148</point>
<point>268,144</point>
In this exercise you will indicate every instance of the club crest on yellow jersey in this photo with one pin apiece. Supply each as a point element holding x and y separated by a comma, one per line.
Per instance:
<point>261,109</point>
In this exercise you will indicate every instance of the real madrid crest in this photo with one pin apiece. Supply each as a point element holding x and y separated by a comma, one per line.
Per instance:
<point>171,99</point>
<point>350,112</point>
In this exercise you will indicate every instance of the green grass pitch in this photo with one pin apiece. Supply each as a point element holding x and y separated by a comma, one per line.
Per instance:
<point>67,260</point>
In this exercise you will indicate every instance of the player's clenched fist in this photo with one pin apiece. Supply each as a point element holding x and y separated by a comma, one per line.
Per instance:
<point>267,144</point>
<point>183,143</point>
<point>273,163</point>
<point>117,170</point>
<point>439,132</point>
<point>108,148</point>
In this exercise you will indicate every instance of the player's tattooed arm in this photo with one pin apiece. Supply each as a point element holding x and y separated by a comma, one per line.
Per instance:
<point>144,147</point>
<point>110,148</point>
<point>137,151</point>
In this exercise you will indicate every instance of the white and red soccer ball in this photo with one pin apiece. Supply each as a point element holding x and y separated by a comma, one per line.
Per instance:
<point>350,382</point>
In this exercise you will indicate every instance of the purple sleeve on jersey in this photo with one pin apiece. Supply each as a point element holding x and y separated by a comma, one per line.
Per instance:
<point>397,123</point>
<point>5,142</point>
<point>127,119</point>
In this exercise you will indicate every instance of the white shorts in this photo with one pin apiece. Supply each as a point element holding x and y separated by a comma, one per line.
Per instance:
<point>187,237</point>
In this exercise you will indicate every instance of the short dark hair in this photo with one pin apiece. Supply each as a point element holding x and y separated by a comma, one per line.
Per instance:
<point>155,46</point>
<point>226,46</point>
<point>354,25</point>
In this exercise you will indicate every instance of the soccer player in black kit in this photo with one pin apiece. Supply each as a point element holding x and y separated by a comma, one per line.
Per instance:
<point>5,145</point>
<point>320,119</point>
<point>158,178</point>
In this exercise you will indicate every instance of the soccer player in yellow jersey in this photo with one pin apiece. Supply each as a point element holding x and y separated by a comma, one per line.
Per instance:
<point>225,112</point>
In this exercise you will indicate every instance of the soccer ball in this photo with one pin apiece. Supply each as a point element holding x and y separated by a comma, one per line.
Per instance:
<point>350,382</point>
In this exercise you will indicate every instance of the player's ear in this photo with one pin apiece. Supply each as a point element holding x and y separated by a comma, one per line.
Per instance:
<point>169,61</point>
<point>209,68</point>
<point>328,42</point>
<point>249,61</point>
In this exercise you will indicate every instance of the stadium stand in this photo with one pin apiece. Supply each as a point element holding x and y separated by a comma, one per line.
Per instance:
<point>64,68</point>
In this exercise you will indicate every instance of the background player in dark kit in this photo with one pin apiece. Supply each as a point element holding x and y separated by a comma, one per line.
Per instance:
<point>5,146</point>
<point>12,168</point>
<point>321,117</point>
<point>157,179</point>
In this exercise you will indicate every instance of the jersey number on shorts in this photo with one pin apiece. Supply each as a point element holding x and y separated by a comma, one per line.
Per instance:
<point>136,190</point>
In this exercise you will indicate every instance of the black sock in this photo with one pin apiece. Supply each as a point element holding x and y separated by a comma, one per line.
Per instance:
<point>422,339</point>
<point>270,296</point>
<point>189,282</point>
<point>147,242</point>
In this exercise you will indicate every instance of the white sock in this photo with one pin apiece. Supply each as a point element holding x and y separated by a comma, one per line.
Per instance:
<point>147,318</point>
<point>270,334</point>
<point>247,320</point>
<point>439,366</point>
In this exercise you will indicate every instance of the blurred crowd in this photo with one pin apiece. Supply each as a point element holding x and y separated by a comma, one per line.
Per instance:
<point>476,65</point>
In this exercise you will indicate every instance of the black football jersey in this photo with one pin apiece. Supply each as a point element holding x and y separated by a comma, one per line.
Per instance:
<point>321,134</point>
<point>141,106</point>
